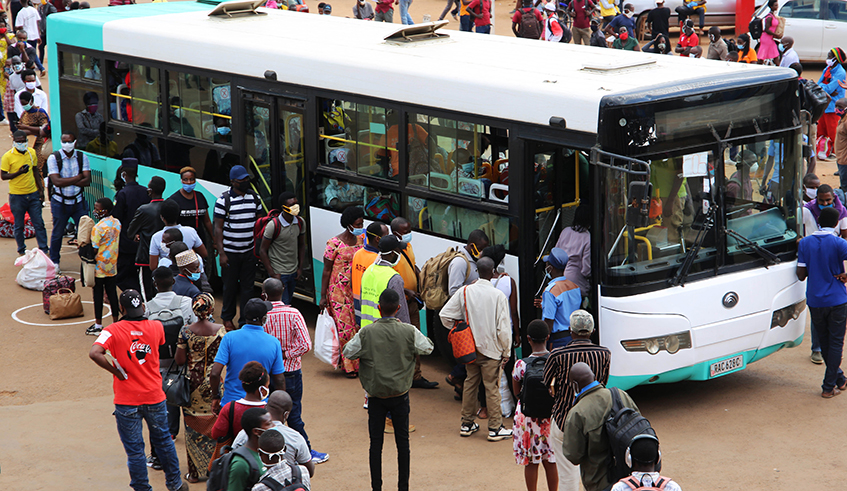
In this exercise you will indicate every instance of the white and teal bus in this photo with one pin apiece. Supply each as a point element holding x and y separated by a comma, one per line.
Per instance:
<point>460,132</point>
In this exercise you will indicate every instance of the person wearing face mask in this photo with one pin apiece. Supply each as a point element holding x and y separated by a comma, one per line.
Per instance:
<point>363,258</point>
<point>127,200</point>
<point>788,55</point>
<point>690,8</point>
<point>283,249</point>
<point>187,264</point>
<point>829,82</point>
<point>143,150</point>
<point>363,10</point>
<point>660,46</point>
<point>105,239</point>
<point>159,252</point>
<point>717,46</point>
<point>811,183</point>
<point>236,210</point>
<point>622,20</point>
<point>689,42</point>
<point>560,298</point>
<point>556,375</point>
<point>31,85</point>
<point>88,120</point>
<point>250,343</point>
<point>35,122</point>
<point>14,85</point>
<point>193,207</point>
<point>69,172</point>
<point>18,166</point>
<point>26,51</point>
<point>824,198</point>
<point>597,38</point>
<point>337,280</point>
<point>145,222</point>
<point>746,54</point>
<point>625,42</point>
<point>273,447</point>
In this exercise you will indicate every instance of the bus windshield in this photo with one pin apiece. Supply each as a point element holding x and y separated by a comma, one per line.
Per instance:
<point>709,209</point>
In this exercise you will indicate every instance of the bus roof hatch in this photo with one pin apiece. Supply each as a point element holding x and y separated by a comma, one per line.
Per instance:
<point>417,33</point>
<point>237,7</point>
<point>616,66</point>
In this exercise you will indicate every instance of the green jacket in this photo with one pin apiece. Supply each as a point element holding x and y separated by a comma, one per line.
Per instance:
<point>386,352</point>
<point>586,443</point>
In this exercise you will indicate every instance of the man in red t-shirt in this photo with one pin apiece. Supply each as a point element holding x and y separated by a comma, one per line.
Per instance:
<point>384,11</point>
<point>533,29</point>
<point>129,350</point>
<point>689,42</point>
<point>580,11</point>
<point>480,10</point>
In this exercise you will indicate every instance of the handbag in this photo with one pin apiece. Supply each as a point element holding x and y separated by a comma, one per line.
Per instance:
<point>176,387</point>
<point>65,304</point>
<point>461,337</point>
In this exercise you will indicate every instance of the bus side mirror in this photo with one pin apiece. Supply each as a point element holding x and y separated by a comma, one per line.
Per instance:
<point>638,211</point>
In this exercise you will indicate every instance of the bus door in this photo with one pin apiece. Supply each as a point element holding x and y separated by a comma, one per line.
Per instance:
<point>274,155</point>
<point>557,174</point>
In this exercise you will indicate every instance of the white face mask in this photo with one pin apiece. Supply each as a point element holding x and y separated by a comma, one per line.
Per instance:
<point>396,259</point>
<point>264,393</point>
<point>628,14</point>
<point>68,146</point>
<point>812,192</point>
<point>830,61</point>
<point>31,85</point>
<point>292,210</point>
<point>21,147</point>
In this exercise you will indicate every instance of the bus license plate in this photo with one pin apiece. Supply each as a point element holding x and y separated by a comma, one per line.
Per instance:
<point>725,366</point>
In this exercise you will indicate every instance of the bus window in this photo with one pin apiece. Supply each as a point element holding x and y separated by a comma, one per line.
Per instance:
<point>80,66</point>
<point>338,194</point>
<point>758,197</point>
<point>455,156</point>
<point>82,110</point>
<point>139,146</point>
<point>134,94</point>
<point>358,137</point>
<point>195,102</point>
<point>257,144</point>
<point>291,149</point>
<point>457,222</point>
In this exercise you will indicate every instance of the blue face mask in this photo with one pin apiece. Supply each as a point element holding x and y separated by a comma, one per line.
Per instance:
<point>27,107</point>
<point>193,276</point>
<point>356,231</point>
<point>781,48</point>
<point>826,206</point>
<point>223,130</point>
<point>406,238</point>
<point>188,187</point>
<point>468,168</point>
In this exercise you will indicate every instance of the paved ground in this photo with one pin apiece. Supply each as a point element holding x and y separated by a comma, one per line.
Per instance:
<point>763,428</point>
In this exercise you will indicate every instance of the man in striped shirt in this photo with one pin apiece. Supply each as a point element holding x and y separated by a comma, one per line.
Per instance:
<point>286,323</point>
<point>556,371</point>
<point>235,213</point>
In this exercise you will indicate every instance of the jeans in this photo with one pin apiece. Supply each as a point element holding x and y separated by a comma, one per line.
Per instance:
<point>20,204</point>
<point>129,429</point>
<point>61,214</point>
<point>685,12</point>
<point>289,281</point>
<point>465,23</point>
<point>816,345</point>
<point>41,46</point>
<point>238,278</point>
<point>378,408</point>
<point>37,60</point>
<point>830,322</point>
<point>387,16</point>
<point>405,18</point>
<point>294,387</point>
<point>109,285</point>
<point>842,176</point>
<point>483,29</point>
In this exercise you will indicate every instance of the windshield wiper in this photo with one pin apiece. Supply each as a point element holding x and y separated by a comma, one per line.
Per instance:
<point>708,221</point>
<point>769,257</point>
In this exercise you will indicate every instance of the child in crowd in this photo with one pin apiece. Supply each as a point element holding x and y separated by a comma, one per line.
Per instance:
<point>104,239</point>
<point>531,437</point>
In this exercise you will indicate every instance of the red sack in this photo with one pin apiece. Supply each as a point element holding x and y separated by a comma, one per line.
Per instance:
<point>52,287</point>
<point>461,338</point>
<point>6,213</point>
<point>7,229</point>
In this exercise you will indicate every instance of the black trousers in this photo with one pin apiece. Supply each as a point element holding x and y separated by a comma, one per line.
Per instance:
<point>238,278</point>
<point>109,285</point>
<point>377,410</point>
<point>127,276</point>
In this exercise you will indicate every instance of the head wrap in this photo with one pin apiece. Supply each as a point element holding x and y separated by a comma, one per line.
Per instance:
<point>839,55</point>
<point>204,305</point>
<point>186,257</point>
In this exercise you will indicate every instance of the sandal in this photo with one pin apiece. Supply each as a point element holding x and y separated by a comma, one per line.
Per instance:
<point>351,374</point>
<point>73,242</point>
<point>93,331</point>
<point>192,480</point>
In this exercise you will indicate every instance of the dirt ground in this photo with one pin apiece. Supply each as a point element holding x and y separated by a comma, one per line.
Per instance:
<point>763,428</point>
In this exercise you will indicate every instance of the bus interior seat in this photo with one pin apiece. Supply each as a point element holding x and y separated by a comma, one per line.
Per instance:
<point>419,180</point>
<point>497,190</point>
<point>441,182</point>
<point>471,187</point>
<point>371,170</point>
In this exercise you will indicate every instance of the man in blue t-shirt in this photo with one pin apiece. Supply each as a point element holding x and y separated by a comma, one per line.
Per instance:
<point>250,343</point>
<point>560,299</point>
<point>623,20</point>
<point>820,258</point>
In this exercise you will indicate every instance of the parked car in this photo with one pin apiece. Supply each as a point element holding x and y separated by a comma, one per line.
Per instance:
<point>816,25</point>
<point>718,12</point>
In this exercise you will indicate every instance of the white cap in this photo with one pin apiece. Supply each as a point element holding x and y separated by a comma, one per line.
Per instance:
<point>660,2</point>
<point>551,6</point>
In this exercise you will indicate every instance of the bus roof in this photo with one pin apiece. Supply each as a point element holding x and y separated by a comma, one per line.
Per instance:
<point>496,76</point>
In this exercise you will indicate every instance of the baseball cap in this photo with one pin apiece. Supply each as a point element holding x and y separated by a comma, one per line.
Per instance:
<point>550,6</point>
<point>256,309</point>
<point>328,9</point>
<point>644,448</point>
<point>660,2</point>
<point>132,302</point>
<point>389,243</point>
<point>581,322</point>
<point>557,258</point>
<point>238,172</point>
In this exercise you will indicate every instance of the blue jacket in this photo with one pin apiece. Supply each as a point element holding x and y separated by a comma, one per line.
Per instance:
<point>832,88</point>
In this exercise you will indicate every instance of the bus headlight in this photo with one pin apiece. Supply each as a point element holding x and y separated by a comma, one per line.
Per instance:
<point>782,316</point>
<point>671,343</point>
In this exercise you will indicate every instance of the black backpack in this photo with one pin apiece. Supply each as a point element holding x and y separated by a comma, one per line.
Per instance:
<point>530,26</point>
<point>567,35</point>
<point>756,28</point>
<point>730,45</point>
<point>219,474</point>
<point>536,401</point>
<point>296,483</point>
<point>622,425</point>
<point>812,98</point>
<point>59,161</point>
<point>173,322</point>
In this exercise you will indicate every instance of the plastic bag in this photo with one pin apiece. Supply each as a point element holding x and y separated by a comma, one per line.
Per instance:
<point>823,147</point>
<point>6,213</point>
<point>326,339</point>
<point>507,402</point>
<point>36,269</point>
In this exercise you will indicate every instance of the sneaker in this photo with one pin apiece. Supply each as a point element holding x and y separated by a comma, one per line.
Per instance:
<point>500,434</point>
<point>184,486</point>
<point>468,429</point>
<point>93,331</point>
<point>4,122</point>
<point>318,457</point>
<point>153,461</point>
<point>816,357</point>
<point>389,426</point>
<point>422,383</point>
<point>365,405</point>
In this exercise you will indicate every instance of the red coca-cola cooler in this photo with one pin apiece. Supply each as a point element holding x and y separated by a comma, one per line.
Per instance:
<point>743,14</point>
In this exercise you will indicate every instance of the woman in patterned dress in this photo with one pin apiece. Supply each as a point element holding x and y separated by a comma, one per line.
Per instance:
<point>336,283</point>
<point>531,436</point>
<point>198,345</point>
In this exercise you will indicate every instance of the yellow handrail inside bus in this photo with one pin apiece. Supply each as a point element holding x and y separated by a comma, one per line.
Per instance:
<point>420,217</point>
<point>357,142</point>
<point>264,181</point>
<point>643,239</point>
<point>122,96</point>
<point>576,201</point>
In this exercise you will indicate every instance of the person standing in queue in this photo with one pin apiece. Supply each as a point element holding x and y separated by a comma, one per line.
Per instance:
<point>193,207</point>
<point>146,222</point>
<point>235,213</point>
<point>127,201</point>
<point>283,250</point>
<point>18,167</point>
<point>69,173</point>
<point>561,298</point>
